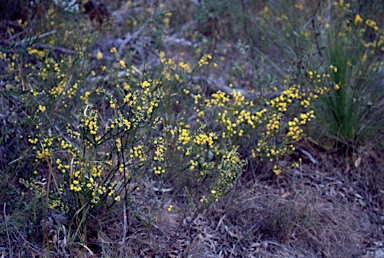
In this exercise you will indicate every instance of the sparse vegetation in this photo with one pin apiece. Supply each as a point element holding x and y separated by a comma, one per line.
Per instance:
<point>191,129</point>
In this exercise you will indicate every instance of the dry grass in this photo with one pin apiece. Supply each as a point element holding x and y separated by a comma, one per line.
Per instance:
<point>258,220</point>
<point>319,215</point>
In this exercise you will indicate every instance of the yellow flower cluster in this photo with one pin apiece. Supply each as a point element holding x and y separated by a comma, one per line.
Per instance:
<point>81,180</point>
<point>358,19</point>
<point>238,99</point>
<point>158,170</point>
<point>118,144</point>
<point>41,108</point>
<point>219,98</point>
<point>162,56</point>
<point>194,164</point>
<point>72,90</point>
<point>371,24</point>
<point>85,97</point>
<point>145,85</point>
<point>60,166</point>
<point>171,64</point>
<point>121,122</point>
<point>40,54</point>
<point>205,59</point>
<point>59,89</point>
<point>159,149</point>
<point>204,138</point>
<point>42,154</point>
<point>130,99</point>
<point>90,122</point>
<point>75,186</point>
<point>152,105</point>
<point>229,168</point>
<point>32,141</point>
<point>137,152</point>
<point>230,126</point>
<point>184,136</point>
<point>273,124</point>
<point>96,171</point>
<point>234,116</point>
<point>185,67</point>
<point>122,63</point>
<point>287,97</point>
<point>232,157</point>
<point>276,170</point>
<point>294,130</point>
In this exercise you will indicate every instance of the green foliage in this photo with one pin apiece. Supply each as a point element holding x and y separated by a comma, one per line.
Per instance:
<point>333,47</point>
<point>351,113</point>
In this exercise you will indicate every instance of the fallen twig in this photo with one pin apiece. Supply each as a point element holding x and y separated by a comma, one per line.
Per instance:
<point>22,42</point>
<point>128,38</point>
<point>55,48</point>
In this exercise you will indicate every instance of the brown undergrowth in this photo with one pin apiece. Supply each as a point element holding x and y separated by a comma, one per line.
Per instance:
<point>320,215</point>
<point>322,210</point>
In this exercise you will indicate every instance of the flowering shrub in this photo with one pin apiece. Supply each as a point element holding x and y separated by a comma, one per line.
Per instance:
<point>93,145</point>
<point>340,51</point>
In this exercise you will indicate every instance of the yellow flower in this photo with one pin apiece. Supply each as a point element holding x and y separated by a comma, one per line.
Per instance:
<point>42,108</point>
<point>358,19</point>
<point>122,63</point>
<point>145,84</point>
<point>364,58</point>
<point>99,55</point>
<point>276,170</point>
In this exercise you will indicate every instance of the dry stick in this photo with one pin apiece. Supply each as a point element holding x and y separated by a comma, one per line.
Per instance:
<point>26,242</point>
<point>171,40</point>
<point>130,37</point>
<point>308,155</point>
<point>232,194</point>
<point>6,228</point>
<point>87,248</point>
<point>54,48</point>
<point>314,29</point>
<point>246,28</point>
<point>37,37</point>
<point>179,228</point>
<point>187,226</point>
<point>314,238</point>
<point>40,45</point>
<point>281,246</point>
<point>125,228</point>
<point>216,85</point>
<point>19,33</point>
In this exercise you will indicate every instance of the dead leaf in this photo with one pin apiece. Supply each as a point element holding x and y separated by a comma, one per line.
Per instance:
<point>285,195</point>
<point>357,162</point>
